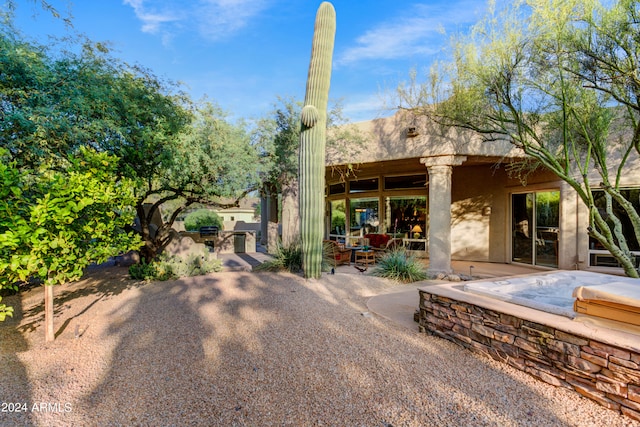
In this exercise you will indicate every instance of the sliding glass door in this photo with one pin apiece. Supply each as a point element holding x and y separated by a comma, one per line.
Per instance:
<point>535,225</point>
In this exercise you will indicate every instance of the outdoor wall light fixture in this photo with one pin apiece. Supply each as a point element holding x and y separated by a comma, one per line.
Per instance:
<point>411,132</point>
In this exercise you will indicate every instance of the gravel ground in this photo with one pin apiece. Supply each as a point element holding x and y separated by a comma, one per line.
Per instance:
<point>246,349</point>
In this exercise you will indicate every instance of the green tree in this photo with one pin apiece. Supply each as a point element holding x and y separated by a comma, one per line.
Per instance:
<point>560,81</point>
<point>211,161</point>
<point>278,137</point>
<point>54,223</point>
<point>170,149</point>
<point>54,103</point>
<point>200,218</point>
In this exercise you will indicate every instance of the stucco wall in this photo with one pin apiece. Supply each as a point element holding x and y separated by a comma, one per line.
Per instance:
<point>237,215</point>
<point>387,139</point>
<point>479,214</point>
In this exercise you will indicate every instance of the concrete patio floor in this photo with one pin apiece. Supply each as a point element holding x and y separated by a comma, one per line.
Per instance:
<point>400,303</point>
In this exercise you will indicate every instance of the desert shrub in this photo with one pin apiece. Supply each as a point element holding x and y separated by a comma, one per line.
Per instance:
<point>290,259</point>
<point>398,265</point>
<point>172,267</point>
<point>202,218</point>
<point>284,259</point>
<point>143,271</point>
<point>194,265</point>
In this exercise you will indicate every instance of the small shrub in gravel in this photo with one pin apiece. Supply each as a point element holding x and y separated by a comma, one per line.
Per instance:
<point>142,271</point>
<point>172,267</point>
<point>284,259</point>
<point>290,259</point>
<point>400,266</point>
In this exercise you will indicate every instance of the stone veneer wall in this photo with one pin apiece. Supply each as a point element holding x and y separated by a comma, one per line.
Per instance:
<point>609,375</point>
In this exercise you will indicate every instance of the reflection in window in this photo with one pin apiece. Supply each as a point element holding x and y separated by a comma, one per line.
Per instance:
<point>338,218</point>
<point>406,214</point>
<point>604,259</point>
<point>535,227</point>
<point>404,182</point>
<point>633,195</point>
<point>362,185</point>
<point>363,216</point>
<point>338,188</point>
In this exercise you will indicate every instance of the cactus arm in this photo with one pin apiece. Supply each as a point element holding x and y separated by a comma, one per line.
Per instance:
<point>309,116</point>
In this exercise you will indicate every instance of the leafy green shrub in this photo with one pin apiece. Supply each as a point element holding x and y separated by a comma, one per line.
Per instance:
<point>397,265</point>
<point>143,271</point>
<point>166,268</point>
<point>202,218</point>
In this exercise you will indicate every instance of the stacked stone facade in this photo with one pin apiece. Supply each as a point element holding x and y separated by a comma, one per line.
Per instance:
<point>607,374</point>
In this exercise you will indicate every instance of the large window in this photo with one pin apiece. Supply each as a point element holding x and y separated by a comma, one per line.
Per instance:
<point>405,182</point>
<point>339,188</point>
<point>406,216</point>
<point>600,257</point>
<point>338,218</point>
<point>363,185</point>
<point>363,216</point>
<point>535,226</point>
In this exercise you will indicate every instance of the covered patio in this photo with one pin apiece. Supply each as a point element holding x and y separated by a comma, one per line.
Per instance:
<point>446,192</point>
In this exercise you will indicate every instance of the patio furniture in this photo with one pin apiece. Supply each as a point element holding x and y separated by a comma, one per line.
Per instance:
<point>365,257</point>
<point>391,245</point>
<point>337,253</point>
<point>378,240</point>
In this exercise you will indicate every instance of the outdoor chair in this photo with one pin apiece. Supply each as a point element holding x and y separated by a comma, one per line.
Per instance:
<point>337,253</point>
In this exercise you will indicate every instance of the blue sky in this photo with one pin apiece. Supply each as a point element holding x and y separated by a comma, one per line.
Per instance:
<point>242,54</point>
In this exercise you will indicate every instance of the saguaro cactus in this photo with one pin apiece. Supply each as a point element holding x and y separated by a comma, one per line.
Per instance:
<point>312,141</point>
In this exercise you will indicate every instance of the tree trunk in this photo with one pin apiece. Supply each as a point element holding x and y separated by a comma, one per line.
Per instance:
<point>148,232</point>
<point>263,220</point>
<point>290,217</point>
<point>49,334</point>
<point>272,225</point>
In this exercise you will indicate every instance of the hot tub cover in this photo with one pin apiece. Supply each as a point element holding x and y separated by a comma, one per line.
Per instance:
<point>616,301</point>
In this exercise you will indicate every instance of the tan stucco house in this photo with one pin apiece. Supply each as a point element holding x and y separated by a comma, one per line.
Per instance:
<point>450,195</point>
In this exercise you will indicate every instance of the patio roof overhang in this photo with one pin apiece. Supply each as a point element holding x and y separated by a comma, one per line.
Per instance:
<point>399,142</point>
<point>406,166</point>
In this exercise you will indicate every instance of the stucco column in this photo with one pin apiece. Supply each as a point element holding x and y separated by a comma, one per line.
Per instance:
<point>440,170</point>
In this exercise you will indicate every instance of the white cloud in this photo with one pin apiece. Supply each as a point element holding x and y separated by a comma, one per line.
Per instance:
<point>212,19</point>
<point>220,17</point>
<point>361,107</point>
<point>418,32</point>
<point>153,16</point>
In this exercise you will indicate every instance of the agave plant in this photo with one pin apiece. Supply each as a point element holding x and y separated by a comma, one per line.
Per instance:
<point>400,266</point>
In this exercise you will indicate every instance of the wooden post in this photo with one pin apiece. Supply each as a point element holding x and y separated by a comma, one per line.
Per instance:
<point>49,334</point>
